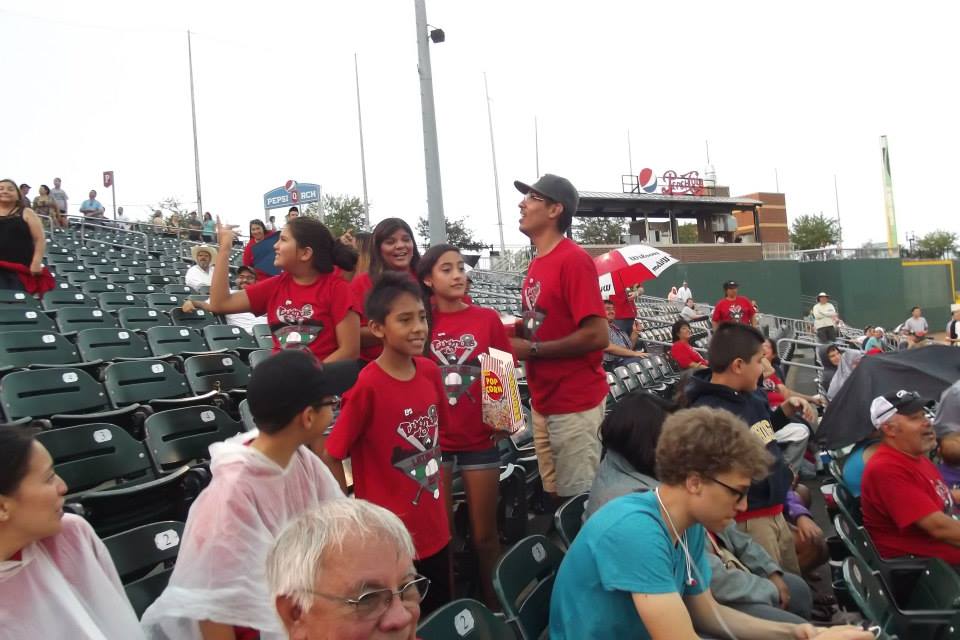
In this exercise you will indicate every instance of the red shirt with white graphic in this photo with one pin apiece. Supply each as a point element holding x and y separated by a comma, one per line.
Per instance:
<point>302,314</point>
<point>897,491</point>
<point>456,342</point>
<point>390,430</point>
<point>560,291</point>
<point>739,309</point>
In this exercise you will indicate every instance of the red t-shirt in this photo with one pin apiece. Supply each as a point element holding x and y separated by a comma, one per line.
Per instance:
<point>623,306</point>
<point>456,343</point>
<point>360,287</point>
<point>390,430</point>
<point>302,314</point>
<point>769,386</point>
<point>897,490</point>
<point>685,355</point>
<point>739,309</point>
<point>560,291</point>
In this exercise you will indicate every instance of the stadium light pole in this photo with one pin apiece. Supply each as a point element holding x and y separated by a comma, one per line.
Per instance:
<point>431,152</point>
<point>193,115</point>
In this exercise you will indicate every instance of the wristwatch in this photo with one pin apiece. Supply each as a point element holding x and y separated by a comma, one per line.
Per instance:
<point>534,348</point>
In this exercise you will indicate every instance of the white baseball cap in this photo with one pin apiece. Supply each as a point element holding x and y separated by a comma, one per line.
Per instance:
<point>888,405</point>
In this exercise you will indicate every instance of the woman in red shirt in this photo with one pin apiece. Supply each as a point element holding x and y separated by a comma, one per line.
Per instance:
<point>685,355</point>
<point>393,249</point>
<point>260,259</point>
<point>307,306</point>
<point>459,333</point>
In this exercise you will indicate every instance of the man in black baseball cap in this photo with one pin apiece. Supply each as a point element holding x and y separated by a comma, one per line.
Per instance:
<point>564,335</point>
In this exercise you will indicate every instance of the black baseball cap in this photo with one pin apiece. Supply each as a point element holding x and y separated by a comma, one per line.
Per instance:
<point>287,382</point>
<point>903,402</point>
<point>247,269</point>
<point>730,284</point>
<point>557,189</point>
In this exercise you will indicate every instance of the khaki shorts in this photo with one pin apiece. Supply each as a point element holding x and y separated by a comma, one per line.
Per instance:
<point>568,449</point>
<point>773,533</point>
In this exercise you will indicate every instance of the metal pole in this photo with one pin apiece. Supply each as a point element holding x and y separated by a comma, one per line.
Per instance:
<point>776,178</point>
<point>629,152</point>
<point>431,153</point>
<point>496,177</point>
<point>113,196</point>
<point>193,115</point>
<point>363,159</point>
<point>536,146</point>
<point>836,197</point>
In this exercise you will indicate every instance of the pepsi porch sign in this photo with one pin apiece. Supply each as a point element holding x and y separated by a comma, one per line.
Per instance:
<point>292,194</point>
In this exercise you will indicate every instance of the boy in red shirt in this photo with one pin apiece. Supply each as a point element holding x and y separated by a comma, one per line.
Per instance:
<point>907,507</point>
<point>733,307</point>
<point>390,428</point>
<point>565,333</point>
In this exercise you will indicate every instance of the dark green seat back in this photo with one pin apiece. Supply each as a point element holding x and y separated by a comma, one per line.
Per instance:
<point>848,503</point>
<point>72,319</point>
<point>141,318</point>
<point>216,372</point>
<point>225,336</point>
<point>109,344</point>
<point>22,318</point>
<point>165,301</point>
<point>175,340</point>
<point>179,436</point>
<point>937,588</point>
<point>59,299</point>
<point>569,518</point>
<point>9,296</point>
<point>90,455</point>
<point>114,300</point>
<point>46,392</point>
<point>263,336</point>
<point>523,580</point>
<point>141,288</point>
<point>25,348</point>
<point>868,592</point>
<point>142,381</point>
<point>197,319</point>
<point>259,356</point>
<point>464,618</point>
<point>93,288</point>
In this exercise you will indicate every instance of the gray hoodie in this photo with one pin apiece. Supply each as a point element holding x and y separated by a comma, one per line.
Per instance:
<point>616,477</point>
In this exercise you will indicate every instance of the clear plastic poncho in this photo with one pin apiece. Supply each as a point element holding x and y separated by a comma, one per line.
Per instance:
<point>65,586</point>
<point>220,573</point>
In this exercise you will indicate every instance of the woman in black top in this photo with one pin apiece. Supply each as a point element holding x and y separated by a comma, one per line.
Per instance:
<point>21,236</point>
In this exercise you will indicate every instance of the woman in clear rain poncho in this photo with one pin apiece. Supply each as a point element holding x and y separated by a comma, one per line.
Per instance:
<point>56,578</point>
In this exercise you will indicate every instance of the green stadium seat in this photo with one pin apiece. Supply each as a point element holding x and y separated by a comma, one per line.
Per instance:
<point>144,558</point>
<point>464,618</point>
<point>73,319</point>
<point>229,337</point>
<point>122,278</point>
<point>158,279</point>
<point>115,300</point>
<point>167,341</point>
<point>111,344</point>
<point>180,289</point>
<point>59,299</point>
<point>108,269</point>
<point>152,382</point>
<point>77,280</point>
<point>93,288</point>
<point>164,301</point>
<point>222,372</point>
<point>569,518</point>
<point>11,297</point>
<point>141,289</point>
<point>523,580</point>
<point>141,318</point>
<point>60,259</point>
<point>30,348</point>
<point>197,319</point>
<point>19,318</point>
<point>181,436</point>
<point>263,336</point>
<point>258,356</point>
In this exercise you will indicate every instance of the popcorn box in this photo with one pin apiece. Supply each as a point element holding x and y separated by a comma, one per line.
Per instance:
<point>500,400</point>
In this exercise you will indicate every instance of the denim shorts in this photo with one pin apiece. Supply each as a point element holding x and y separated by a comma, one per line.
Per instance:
<point>473,460</point>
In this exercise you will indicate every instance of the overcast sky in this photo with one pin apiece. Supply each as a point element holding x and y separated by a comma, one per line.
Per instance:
<point>804,88</point>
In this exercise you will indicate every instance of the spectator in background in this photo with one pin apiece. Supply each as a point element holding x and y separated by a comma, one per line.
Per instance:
<point>262,480</point>
<point>209,227</point>
<point>829,359</point>
<point>947,419</point>
<point>194,227</point>
<point>345,570</point>
<point>906,505</point>
<point>60,196</point>
<point>874,341</point>
<point>622,348</point>
<point>744,576</point>
<point>733,307</point>
<point>689,311</point>
<point>953,326</point>
<point>684,293</point>
<point>364,240</point>
<point>609,586</point>
<point>625,307</point>
<point>25,195</point>
<point>157,221</point>
<point>272,224</point>
<point>245,320</point>
<point>22,241</point>
<point>825,318</point>
<point>390,428</point>
<point>681,350</point>
<point>200,274</point>
<point>56,578</point>
<point>915,329</point>
<point>45,205</point>
<point>672,296</point>
<point>91,207</point>
<point>849,361</point>
<point>564,335</point>
<point>292,213</point>
<point>260,258</point>
<point>123,222</point>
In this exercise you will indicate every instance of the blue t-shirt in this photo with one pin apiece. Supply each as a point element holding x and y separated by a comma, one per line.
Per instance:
<point>853,467</point>
<point>624,548</point>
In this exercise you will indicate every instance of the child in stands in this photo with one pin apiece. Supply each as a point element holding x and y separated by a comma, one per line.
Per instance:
<point>460,332</point>
<point>56,578</point>
<point>390,429</point>
<point>262,480</point>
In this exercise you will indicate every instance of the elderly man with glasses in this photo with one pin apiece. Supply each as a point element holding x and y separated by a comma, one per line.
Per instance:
<point>345,571</point>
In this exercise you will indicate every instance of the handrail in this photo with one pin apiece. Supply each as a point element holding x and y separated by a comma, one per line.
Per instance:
<point>84,223</point>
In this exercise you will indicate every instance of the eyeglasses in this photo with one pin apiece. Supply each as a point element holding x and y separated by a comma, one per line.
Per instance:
<point>740,495</point>
<point>370,605</point>
<point>335,403</point>
<point>532,195</point>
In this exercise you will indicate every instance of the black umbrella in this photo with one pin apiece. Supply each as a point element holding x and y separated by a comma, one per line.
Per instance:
<point>928,370</point>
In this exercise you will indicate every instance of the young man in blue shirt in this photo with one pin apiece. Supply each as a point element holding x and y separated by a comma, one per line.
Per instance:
<point>638,567</point>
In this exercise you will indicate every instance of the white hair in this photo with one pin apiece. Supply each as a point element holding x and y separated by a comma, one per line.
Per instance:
<point>294,562</point>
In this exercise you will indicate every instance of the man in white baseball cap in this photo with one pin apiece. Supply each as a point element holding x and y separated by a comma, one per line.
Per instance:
<point>906,505</point>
